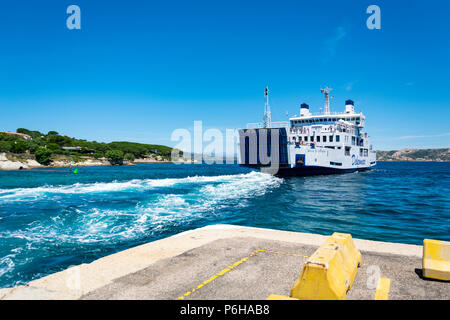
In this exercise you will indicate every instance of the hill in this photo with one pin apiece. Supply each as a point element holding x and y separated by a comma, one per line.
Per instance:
<point>55,149</point>
<point>414,155</point>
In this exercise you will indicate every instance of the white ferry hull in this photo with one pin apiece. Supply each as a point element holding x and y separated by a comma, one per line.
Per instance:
<point>302,160</point>
<point>305,160</point>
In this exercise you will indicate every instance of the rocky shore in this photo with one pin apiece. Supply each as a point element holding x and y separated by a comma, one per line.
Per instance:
<point>11,164</point>
<point>8,162</point>
<point>16,163</point>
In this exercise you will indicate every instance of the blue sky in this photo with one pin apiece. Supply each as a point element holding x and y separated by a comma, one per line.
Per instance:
<point>137,70</point>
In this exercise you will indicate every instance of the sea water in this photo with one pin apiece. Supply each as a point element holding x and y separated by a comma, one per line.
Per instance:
<point>51,219</point>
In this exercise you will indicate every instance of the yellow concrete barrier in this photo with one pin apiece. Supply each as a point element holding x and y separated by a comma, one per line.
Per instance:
<point>279,297</point>
<point>436,259</point>
<point>330,272</point>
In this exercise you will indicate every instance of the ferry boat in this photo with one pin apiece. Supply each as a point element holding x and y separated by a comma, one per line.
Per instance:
<point>308,144</point>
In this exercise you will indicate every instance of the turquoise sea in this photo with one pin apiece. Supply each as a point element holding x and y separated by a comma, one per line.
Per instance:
<point>51,218</point>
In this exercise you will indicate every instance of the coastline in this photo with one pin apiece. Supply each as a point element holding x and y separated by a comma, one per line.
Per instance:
<point>421,160</point>
<point>25,164</point>
<point>417,155</point>
<point>7,164</point>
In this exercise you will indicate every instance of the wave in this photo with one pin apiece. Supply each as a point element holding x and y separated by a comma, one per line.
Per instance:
<point>91,223</point>
<point>6,264</point>
<point>20,194</point>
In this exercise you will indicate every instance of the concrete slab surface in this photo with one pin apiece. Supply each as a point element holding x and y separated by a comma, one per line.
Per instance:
<point>264,273</point>
<point>228,262</point>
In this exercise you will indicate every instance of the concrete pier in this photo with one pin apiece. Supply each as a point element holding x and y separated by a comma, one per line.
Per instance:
<point>229,262</point>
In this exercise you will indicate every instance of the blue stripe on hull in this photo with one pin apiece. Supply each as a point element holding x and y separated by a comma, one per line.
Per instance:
<point>314,171</point>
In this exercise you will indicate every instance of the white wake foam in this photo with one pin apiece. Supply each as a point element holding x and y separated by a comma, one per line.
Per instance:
<point>115,186</point>
<point>94,224</point>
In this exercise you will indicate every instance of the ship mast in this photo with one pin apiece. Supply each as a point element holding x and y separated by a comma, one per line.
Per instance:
<point>326,92</point>
<point>267,115</point>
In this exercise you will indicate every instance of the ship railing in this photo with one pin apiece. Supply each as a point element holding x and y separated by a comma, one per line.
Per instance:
<point>274,124</point>
<point>334,113</point>
<point>280,124</point>
<point>334,128</point>
<point>255,125</point>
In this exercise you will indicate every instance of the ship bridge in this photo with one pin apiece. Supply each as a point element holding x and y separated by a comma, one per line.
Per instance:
<point>306,118</point>
<point>356,119</point>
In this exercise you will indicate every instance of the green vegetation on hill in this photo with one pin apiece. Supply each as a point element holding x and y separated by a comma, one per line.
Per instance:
<point>114,156</point>
<point>45,146</point>
<point>414,155</point>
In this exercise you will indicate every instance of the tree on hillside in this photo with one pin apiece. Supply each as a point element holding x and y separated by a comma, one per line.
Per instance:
<point>60,140</point>
<point>32,134</point>
<point>5,146</point>
<point>98,155</point>
<point>114,156</point>
<point>9,137</point>
<point>31,146</point>
<point>43,156</point>
<point>18,147</point>
<point>129,157</point>
<point>54,147</point>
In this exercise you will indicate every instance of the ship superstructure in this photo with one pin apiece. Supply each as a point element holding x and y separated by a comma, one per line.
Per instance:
<point>309,144</point>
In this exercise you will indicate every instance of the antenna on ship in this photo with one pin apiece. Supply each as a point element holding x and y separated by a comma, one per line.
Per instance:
<point>267,115</point>
<point>326,92</point>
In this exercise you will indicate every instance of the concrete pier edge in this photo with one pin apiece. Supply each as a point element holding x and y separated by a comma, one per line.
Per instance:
<point>77,281</point>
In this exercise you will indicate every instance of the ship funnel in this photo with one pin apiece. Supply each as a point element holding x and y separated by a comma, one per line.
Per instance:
<point>304,110</point>
<point>349,106</point>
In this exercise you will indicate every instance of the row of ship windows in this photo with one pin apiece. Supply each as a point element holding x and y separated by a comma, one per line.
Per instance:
<point>325,120</point>
<point>355,141</point>
<point>311,139</point>
<point>362,152</point>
